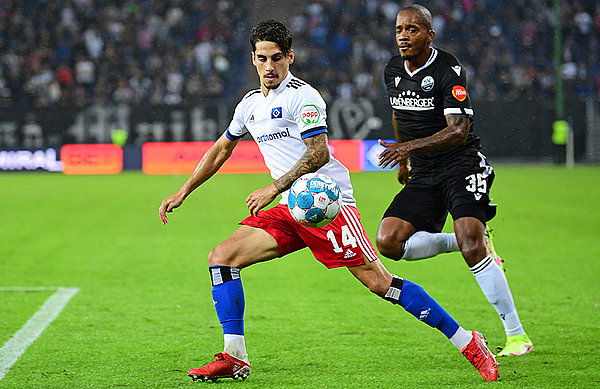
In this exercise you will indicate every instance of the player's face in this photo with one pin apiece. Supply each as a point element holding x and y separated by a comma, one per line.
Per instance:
<point>412,36</point>
<point>271,64</point>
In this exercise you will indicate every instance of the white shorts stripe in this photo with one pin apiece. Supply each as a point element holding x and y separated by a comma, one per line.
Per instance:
<point>358,232</point>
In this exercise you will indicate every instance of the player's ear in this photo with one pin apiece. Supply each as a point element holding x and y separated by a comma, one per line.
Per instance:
<point>253,56</point>
<point>430,36</point>
<point>291,56</point>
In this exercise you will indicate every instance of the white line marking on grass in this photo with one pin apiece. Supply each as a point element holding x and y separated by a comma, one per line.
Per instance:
<point>31,330</point>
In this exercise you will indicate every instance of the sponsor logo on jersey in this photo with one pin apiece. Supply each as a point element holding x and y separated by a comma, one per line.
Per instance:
<point>273,136</point>
<point>397,81</point>
<point>411,101</point>
<point>310,114</point>
<point>427,83</point>
<point>251,119</point>
<point>456,69</point>
<point>276,113</point>
<point>459,92</point>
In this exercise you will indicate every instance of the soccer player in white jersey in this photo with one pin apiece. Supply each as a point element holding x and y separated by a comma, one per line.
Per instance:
<point>287,119</point>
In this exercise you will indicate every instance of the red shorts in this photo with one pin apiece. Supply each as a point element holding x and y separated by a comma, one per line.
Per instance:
<point>343,242</point>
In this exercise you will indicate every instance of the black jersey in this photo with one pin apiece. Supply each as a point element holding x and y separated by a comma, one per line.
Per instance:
<point>420,99</point>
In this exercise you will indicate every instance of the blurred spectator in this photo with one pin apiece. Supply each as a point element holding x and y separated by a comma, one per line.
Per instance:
<point>79,52</point>
<point>506,47</point>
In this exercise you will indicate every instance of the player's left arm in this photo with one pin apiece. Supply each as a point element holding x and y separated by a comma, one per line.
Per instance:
<point>315,156</point>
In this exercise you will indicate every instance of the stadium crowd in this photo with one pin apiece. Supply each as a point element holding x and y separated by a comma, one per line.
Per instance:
<point>507,46</point>
<point>81,52</point>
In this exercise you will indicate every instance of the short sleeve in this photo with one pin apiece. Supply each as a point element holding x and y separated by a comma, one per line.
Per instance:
<point>310,112</point>
<point>237,129</point>
<point>456,96</point>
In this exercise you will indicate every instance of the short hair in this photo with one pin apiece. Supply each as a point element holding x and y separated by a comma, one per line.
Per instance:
<point>423,12</point>
<point>272,31</point>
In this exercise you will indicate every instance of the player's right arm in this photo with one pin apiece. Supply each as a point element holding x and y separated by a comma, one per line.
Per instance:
<point>403,166</point>
<point>210,163</point>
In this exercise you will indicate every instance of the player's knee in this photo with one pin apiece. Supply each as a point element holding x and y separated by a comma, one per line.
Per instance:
<point>379,286</point>
<point>472,251</point>
<point>388,246</point>
<point>218,257</point>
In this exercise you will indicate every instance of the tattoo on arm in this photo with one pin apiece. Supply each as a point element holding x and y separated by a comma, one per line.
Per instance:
<point>315,156</point>
<point>454,135</point>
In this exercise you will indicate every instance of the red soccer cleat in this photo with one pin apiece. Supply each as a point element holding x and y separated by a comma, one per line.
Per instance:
<point>481,357</point>
<point>224,366</point>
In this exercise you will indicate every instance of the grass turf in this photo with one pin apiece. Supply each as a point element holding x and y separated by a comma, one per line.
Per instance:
<point>144,314</point>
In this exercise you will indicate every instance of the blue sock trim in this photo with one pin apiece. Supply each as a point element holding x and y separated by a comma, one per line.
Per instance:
<point>421,305</point>
<point>228,297</point>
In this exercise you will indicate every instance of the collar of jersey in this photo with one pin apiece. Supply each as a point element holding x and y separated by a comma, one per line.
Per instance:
<point>432,58</point>
<point>281,86</point>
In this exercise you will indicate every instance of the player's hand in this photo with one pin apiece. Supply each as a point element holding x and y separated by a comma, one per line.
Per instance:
<point>394,153</point>
<point>260,198</point>
<point>403,172</point>
<point>169,204</point>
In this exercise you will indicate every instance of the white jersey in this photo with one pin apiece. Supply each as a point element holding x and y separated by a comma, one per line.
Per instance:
<point>279,122</point>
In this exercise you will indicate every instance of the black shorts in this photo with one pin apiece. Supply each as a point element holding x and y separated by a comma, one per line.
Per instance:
<point>461,188</point>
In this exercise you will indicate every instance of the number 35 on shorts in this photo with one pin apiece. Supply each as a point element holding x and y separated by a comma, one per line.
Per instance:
<point>477,184</point>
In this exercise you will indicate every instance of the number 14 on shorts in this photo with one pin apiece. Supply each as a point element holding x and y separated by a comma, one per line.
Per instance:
<point>347,239</point>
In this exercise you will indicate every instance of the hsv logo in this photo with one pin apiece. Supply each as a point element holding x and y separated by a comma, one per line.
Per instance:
<point>459,92</point>
<point>310,114</point>
<point>276,113</point>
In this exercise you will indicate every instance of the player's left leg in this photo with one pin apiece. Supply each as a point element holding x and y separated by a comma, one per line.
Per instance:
<point>493,283</point>
<point>416,301</point>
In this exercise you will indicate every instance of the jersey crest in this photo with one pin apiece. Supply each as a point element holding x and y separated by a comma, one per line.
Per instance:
<point>276,113</point>
<point>427,83</point>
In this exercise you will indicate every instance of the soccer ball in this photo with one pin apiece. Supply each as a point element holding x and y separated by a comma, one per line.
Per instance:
<point>314,200</point>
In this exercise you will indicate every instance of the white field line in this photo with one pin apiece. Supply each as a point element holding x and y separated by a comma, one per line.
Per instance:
<point>31,330</point>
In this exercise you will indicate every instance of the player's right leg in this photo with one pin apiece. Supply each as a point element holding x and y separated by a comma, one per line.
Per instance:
<point>416,301</point>
<point>411,226</point>
<point>246,246</point>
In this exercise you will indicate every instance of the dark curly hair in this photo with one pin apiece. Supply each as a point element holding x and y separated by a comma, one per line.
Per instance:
<point>272,31</point>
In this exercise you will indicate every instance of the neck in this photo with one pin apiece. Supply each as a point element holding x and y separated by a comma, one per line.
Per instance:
<point>420,60</point>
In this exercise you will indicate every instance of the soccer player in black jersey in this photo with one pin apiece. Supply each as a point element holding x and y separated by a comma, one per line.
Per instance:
<point>440,163</point>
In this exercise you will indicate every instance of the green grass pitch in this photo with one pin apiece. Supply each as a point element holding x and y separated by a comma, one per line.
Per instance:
<point>144,314</point>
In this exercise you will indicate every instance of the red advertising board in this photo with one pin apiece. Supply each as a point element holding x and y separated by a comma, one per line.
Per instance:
<point>350,152</point>
<point>182,157</point>
<point>91,159</point>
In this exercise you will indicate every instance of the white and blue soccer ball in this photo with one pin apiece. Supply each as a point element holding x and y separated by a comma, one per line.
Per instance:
<point>314,200</point>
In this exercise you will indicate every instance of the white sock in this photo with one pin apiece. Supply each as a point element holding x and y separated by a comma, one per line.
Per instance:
<point>235,345</point>
<point>423,245</point>
<point>461,338</point>
<point>494,286</point>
